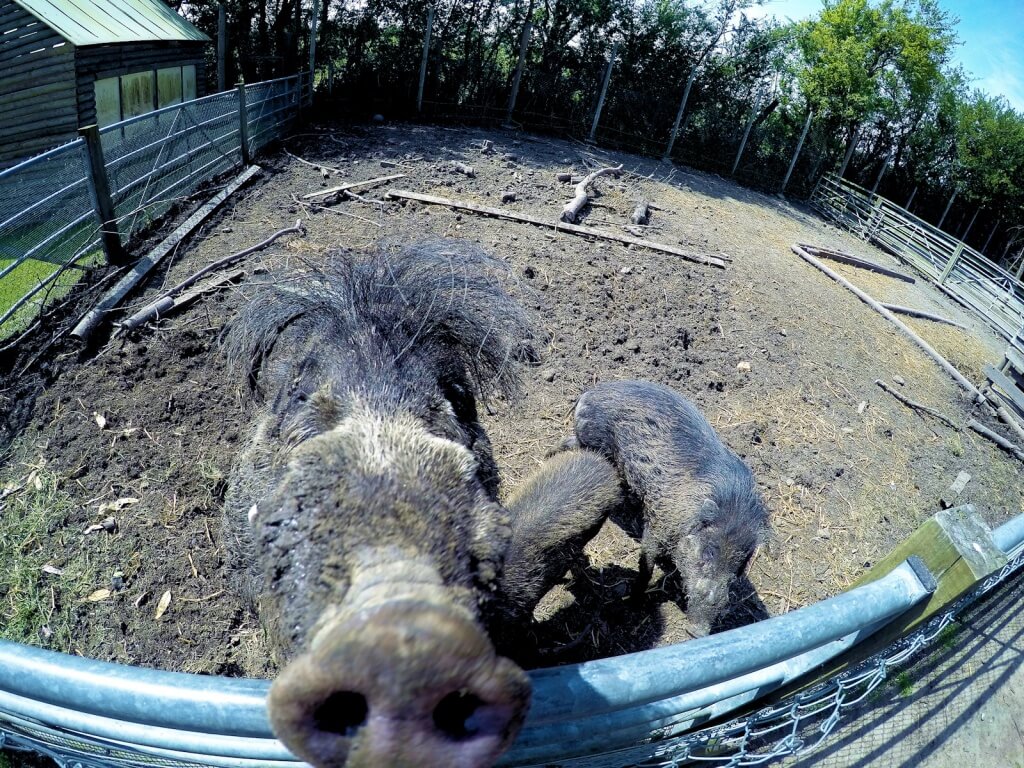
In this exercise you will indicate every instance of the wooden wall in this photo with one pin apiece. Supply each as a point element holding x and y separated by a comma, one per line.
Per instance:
<point>96,62</point>
<point>38,106</point>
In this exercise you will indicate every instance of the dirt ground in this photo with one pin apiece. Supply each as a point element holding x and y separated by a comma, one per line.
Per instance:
<point>144,429</point>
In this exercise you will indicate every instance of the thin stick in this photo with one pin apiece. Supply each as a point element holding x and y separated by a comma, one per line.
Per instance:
<point>159,303</point>
<point>999,440</point>
<point>575,229</point>
<point>344,213</point>
<point>917,406</point>
<point>572,209</point>
<point>943,363</point>
<point>911,312</point>
<point>319,166</point>
<point>353,185</point>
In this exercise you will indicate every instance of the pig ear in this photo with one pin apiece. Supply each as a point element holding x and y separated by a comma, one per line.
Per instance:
<point>707,514</point>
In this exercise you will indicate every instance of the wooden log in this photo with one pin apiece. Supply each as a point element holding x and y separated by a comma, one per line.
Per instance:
<point>914,405</point>
<point>911,312</point>
<point>94,316</point>
<point>352,185</point>
<point>571,211</point>
<point>942,362</point>
<point>168,303</point>
<point>855,261</point>
<point>1010,421</point>
<point>560,226</point>
<point>998,439</point>
<point>642,213</point>
<point>466,170</point>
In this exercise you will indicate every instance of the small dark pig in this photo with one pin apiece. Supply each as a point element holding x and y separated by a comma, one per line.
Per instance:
<point>701,509</point>
<point>553,515</point>
<point>366,494</point>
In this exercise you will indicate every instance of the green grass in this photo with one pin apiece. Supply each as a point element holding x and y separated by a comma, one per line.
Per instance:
<point>27,276</point>
<point>30,599</point>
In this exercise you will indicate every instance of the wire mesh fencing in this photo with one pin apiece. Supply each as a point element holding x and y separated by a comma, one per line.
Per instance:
<point>48,232</point>
<point>49,220</point>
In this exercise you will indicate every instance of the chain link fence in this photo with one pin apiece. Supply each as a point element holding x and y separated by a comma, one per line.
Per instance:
<point>49,225</point>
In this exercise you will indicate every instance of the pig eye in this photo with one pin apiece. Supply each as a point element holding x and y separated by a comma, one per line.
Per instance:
<point>709,553</point>
<point>341,713</point>
<point>453,715</point>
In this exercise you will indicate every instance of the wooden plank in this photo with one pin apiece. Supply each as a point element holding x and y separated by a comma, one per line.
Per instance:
<point>919,313</point>
<point>854,261</point>
<point>1006,385</point>
<point>99,187</point>
<point>95,315</point>
<point>561,226</point>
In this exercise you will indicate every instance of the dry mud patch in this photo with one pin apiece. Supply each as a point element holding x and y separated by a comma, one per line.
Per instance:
<point>844,481</point>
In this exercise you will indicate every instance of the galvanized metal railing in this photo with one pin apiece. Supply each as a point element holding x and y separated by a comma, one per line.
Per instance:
<point>48,216</point>
<point>608,712</point>
<point>986,288</point>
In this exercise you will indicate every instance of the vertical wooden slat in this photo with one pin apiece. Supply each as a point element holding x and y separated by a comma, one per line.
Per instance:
<point>99,189</point>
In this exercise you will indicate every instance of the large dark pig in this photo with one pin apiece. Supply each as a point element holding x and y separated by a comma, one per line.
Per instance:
<point>553,515</point>
<point>701,508</point>
<point>368,491</point>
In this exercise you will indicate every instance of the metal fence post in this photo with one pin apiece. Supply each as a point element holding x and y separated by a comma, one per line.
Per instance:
<point>679,114</point>
<point>99,191</point>
<point>746,135</point>
<point>426,55</point>
<point>243,124</point>
<point>604,91</point>
<point>222,44</point>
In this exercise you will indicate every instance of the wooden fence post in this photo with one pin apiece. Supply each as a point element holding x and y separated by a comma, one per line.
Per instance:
<point>989,238</point>
<point>524,44</point>
<point>679,114</point>
<point>330,77</point>
<point>948,269</point>
<point>604,91</point>
<point>849,151</point>
<point>913,194</point>
<point>243,125</point>
<point>799,146</point>
<point>968,230</point>
<point>222,44</point>
<point>312,41</point>
<point>99,190</point>
<point>426,54</point>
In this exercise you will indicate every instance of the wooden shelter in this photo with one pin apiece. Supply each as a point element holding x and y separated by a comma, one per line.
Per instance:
<point>69,63</point>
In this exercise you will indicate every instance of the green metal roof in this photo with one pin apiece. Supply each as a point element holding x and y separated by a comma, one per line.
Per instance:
<point>96,22</point>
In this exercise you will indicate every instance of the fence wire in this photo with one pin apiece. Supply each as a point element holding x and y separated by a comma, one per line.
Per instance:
<point>846,720</point>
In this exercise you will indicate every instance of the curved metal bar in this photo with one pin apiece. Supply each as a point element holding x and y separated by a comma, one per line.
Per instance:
<point>606,685</point>
<point>1010,535</point>
<point>230,706</point>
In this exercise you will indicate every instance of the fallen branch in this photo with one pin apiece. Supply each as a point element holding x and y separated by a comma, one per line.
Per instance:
<point>93,317</point>
<point>855,261</point>
<point>165,305</point>
<point>642,213</point>
<point>337,212</point>
<point>999,440</point>
<point>913,404</point>
<point>572,209</point>
<point>575,229</point>
<point>1010,421</point>
<point>466,170</point>
<point>325,170</point>
<point>353,185</point>
<point>911,312</point>
<point>900,325</point>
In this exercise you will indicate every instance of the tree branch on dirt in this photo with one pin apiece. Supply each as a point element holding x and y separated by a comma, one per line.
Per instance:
<point>167,304</point>
<point>352,185</point>
<point>325,170</point>
<point>571,211</point>
<point>576,229</point>
<point>914,405</point>
<point>999,440</point>
<point>160,304</point>
<point>942,362</point>
<point>855,261</point>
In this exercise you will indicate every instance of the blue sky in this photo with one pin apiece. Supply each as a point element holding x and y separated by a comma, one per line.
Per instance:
<point>991,34</point>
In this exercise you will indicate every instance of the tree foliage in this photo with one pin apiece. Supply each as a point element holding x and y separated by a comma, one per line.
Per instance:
<point>876,75</point>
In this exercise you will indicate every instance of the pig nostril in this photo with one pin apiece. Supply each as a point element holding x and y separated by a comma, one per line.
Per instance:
<point>341,713</point>
<point>454,715</point>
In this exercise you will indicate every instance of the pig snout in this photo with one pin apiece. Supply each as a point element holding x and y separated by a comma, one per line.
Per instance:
<point>406,683</point>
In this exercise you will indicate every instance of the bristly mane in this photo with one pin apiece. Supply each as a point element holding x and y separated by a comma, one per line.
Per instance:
<point>442,296</point>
